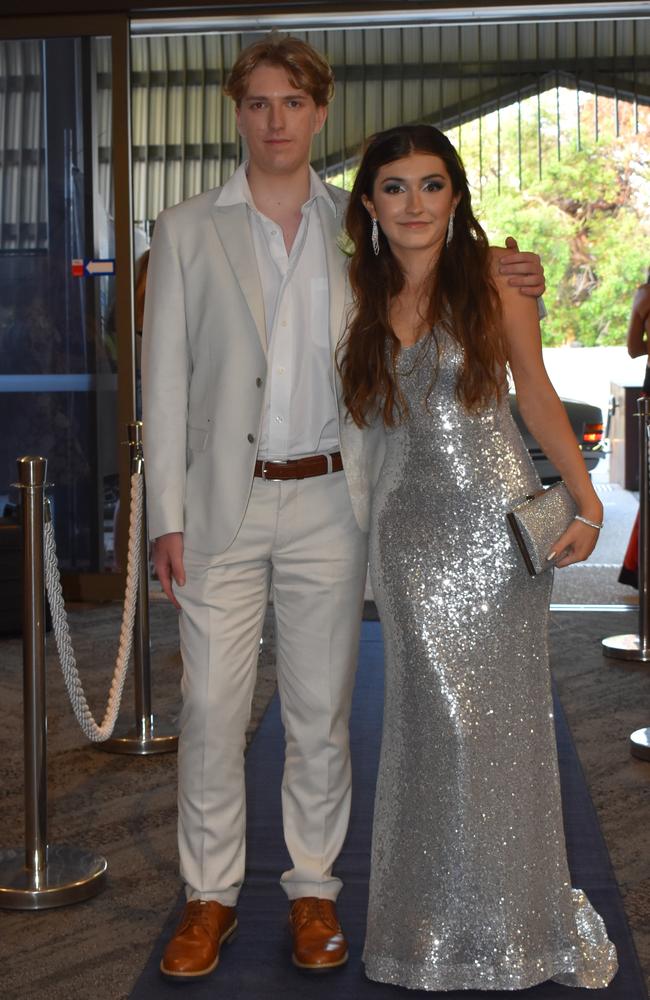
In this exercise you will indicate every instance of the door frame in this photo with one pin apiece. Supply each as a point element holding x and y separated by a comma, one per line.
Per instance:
<point>106,586</point>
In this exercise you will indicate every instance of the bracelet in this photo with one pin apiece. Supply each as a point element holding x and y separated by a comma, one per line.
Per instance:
<point>592,524</point>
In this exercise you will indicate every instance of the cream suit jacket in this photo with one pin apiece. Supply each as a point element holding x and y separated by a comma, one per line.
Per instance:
<point>204,369</point>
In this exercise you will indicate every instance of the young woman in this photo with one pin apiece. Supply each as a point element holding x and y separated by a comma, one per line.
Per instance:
<point>469,887</point>
<point>638,332</point>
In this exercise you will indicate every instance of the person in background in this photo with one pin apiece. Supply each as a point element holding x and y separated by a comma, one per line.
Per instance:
<point>638,333</point>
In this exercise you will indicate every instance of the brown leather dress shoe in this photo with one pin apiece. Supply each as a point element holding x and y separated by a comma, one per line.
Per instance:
<point>318,941</point>
<point>194,949</point>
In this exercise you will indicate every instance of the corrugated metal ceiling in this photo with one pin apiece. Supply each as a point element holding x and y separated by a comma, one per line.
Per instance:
<point>184,134</point>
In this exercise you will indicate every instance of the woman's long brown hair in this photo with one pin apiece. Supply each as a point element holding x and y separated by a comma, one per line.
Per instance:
<point>463,299</point>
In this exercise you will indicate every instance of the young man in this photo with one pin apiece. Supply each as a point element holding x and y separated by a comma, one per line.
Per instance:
<point>254,477</point>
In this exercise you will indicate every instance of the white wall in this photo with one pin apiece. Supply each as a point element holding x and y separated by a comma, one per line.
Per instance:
<point>585,373</point>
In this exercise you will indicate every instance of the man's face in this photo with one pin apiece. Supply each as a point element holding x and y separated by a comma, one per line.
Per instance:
<point>277,121</point>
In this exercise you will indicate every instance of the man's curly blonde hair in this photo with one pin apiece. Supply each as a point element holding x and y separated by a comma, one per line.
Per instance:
<point>306,68</point>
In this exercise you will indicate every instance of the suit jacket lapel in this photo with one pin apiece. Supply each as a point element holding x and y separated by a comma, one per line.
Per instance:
<point>336,267</point>
<point>234,232</point>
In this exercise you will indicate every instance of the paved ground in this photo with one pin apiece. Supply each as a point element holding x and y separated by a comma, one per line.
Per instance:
<point>125,807</point>
<point>596,580</point>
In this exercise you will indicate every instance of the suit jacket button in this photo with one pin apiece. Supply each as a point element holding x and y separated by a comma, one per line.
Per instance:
<point>258,382</point>
<point>250,437</point>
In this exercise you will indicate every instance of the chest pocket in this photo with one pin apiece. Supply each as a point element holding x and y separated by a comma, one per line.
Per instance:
<point>197,438</point>
<point>320,312</point>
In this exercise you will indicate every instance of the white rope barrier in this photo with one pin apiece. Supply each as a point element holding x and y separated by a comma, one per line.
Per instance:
<point>97,733</point>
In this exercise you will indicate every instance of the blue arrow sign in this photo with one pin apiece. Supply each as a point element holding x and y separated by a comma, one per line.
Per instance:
<point>98,268</point>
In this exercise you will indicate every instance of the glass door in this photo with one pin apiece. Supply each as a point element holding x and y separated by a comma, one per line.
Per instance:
<point>66,327</point>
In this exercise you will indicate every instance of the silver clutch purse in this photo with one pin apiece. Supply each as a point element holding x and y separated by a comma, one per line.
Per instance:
<point>539,521</point>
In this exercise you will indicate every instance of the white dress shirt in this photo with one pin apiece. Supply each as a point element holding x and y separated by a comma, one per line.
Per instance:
<point>300,413</point>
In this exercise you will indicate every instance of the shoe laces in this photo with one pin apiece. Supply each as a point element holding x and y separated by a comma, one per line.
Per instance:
<point>197,914</point>
<point>312,908</point>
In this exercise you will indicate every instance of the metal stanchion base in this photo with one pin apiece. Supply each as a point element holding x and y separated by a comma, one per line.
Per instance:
<point>156,738</point>
<point>625,647</point>
<point>70,876</point>
<point>640,744</point>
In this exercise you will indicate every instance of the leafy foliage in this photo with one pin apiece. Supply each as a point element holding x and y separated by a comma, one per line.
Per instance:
<point>583,206</point>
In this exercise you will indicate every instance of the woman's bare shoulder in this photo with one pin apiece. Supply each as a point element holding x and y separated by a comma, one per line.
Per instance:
<point>641,300</point>
<point>496,253</point>
<point>504,289</point>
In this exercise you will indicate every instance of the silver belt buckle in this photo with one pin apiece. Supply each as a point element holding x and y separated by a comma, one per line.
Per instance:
<point>274,461</point>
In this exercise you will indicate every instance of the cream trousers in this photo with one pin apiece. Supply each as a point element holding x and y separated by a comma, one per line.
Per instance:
<point>301,538</point>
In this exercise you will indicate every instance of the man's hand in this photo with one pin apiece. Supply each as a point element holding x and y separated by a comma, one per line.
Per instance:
<point>168,561</point>
<point>524,269</point>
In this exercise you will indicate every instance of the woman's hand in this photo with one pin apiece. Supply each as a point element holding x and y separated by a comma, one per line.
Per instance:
<point>575,545</point>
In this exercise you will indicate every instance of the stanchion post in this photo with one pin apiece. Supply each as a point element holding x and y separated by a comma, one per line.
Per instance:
<point>141,643</point>
<point>31,478</point>
<point>149,736</point>
<point>45,875</point>
<point>631,646</point>
<point>644,526</point>
<point>640,739</point>
<point>640,743</point>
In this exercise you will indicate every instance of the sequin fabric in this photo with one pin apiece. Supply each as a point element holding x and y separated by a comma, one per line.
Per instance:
<point>539,522</point>
<point>469,885</point>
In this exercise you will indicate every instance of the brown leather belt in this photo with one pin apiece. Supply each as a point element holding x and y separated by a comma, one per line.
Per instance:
<point>299,468</point>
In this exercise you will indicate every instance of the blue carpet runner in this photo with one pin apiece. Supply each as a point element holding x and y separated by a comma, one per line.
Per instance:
<point>257,965</point>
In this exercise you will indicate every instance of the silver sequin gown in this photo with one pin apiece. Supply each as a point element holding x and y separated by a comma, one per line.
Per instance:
<point>469,884</point>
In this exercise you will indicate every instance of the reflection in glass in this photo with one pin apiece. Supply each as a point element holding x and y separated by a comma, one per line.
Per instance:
<point>58,380</point>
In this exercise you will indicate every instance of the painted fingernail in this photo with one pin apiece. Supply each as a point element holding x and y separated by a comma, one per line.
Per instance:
<point>550,556</point>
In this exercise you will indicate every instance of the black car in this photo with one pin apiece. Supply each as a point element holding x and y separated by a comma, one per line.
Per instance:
<point>587,423</point>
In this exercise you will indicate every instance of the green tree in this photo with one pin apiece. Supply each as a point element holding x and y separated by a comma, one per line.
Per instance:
<point>586,212</point>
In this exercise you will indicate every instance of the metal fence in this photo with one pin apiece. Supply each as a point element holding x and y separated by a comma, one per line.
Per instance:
<point>183,127</point>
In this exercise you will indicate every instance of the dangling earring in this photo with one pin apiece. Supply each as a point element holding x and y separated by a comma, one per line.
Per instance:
<point>374,237</point>
<point>450,229</point>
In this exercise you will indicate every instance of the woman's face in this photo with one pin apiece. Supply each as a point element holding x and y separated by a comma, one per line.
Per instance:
<point>412,200</point>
